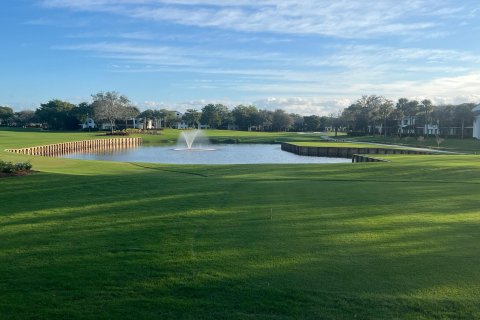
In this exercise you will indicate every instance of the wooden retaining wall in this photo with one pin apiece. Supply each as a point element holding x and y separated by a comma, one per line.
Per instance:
<point>363,158</point>
<point>344,152</point>
<point>52,150</point>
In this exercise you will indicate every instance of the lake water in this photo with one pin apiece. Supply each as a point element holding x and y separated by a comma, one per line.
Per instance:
<point>223,154</point>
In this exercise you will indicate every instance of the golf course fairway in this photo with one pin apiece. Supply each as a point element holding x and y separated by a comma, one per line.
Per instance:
<point>101,240</point>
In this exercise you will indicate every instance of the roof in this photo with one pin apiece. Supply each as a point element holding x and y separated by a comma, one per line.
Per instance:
<point>476,109</point>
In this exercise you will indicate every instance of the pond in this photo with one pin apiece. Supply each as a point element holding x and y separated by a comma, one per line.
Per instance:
<point>221,154</point>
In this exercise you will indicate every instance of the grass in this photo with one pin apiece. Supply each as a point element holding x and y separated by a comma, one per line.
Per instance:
<point>467,145</point>
<point>220,136</point>
<point>336,144</point>
<point>91,239</point>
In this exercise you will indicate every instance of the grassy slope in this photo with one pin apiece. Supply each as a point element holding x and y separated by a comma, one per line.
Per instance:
<point>86,239</point>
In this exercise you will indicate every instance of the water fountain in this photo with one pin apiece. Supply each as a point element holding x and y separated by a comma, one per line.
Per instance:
<point>194,140</point>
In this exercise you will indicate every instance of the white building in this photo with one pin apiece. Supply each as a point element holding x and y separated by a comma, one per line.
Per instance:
<point>88,124</point>
<point>142,124</point>
<point>431,129</point>
<point>408,125</point>
<point>476,121</point>
<point>202,126</point>
<point>181,125</point>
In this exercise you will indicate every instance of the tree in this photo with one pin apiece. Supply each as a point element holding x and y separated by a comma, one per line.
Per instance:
<point>110,106</point>
<point>156,115</point>
<point>226,117</point>
<point>245,116</point>
<point>265,119</point>
<point>368,109</point>
<point>129,113</point>
<point>463,113</point>
<point>383,112</point>
<point>281,121</point>
<point>57,114</point>
<point>169,117</point>
<point>312,123</point>
<point>335,121</point>
<point>157,118</point>
<point>210,116</point>
<point>397,116</point>
<point>442,115</point>
<point>410,110</point>
<point>324,122</point>
<point>24,117</point>
<point>298,123</point>
<point>6,115</point>
<point>413,108</point>
<point>439,140</point>
<point>351,117</point>
<point>149,114</point>
<point>427,107</point>
<point>191,117</point>
<point>83,111</point>
<point>363,114</point>
<point>215,115</point>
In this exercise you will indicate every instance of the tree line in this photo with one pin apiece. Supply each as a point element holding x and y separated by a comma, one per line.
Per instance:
<point>113,108</point>
<point>376,114</point>
<point>368,115</point>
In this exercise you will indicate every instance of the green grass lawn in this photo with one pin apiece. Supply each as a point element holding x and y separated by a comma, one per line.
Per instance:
<point>336,144</point>
<point>467,145</point>
<point>260,137</point>
<point>92,239</point>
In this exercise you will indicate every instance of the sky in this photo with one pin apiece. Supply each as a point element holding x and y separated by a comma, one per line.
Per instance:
<point>306,57</point>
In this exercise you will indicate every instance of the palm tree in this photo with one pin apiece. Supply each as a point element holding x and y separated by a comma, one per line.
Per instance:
<point>397,115</point>
<point>383,112</point>
<point>427,107</point>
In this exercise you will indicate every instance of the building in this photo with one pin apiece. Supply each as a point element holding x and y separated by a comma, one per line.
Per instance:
<point>430,129</point>
<point>181,125</point>
<point>202,126</point>
<point>408,124</point>
<point>476,121</point>
<point>88,124</point>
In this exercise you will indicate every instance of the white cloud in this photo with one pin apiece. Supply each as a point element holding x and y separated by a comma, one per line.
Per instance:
<point>374,61</point>
<point>339,18</point>
<point>442,90</point>
<point>299,105</point>
<point>460,89</point>
<point>320,79</point>
<point>128,52</point>
<point>183,106</point>
<point>130,35</point>
<point>304,105</point>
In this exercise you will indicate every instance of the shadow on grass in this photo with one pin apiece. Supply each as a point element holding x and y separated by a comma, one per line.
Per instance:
<point>237,244</point>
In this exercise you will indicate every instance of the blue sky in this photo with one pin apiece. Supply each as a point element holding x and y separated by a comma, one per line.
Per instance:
<point>308,57</point>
